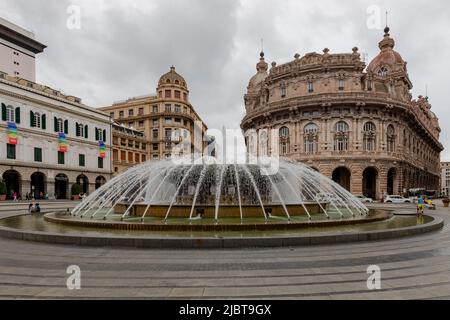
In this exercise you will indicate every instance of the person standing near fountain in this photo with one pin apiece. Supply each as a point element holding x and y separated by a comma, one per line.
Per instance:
<point>420,206</point>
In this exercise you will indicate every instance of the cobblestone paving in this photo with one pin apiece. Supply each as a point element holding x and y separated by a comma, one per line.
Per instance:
<point>411,268</point>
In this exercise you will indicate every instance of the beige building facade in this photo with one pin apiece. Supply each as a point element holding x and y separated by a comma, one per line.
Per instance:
<point>167,119</point>
<point>130,148</point>
<point>358,125</point>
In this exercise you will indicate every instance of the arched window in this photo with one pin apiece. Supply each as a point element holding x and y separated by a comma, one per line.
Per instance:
<point>263,141</point>
<point>383,71</point>
<point>284,140</point>
<point>311,137</point>
<point>341,136</point>
<point>390,138</point>
<point>369,136</point>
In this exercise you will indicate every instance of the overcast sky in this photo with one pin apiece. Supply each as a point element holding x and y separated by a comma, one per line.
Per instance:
<point>123,47</point>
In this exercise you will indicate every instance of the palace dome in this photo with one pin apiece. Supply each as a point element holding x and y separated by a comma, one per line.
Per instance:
<point>261,75</point>
<point>172,78</point>
<point>388,58</point>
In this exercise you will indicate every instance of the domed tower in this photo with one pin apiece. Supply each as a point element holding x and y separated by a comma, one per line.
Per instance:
<point>387,72</point>
<point>256,84</point>
<point>172,85</point>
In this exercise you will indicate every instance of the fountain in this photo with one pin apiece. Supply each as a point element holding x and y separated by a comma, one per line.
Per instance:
<point>206,192</point>
<point>178,203</point>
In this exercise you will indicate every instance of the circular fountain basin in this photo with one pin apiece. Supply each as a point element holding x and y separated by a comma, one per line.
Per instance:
<point>38,228</point>
<point>177,223</point>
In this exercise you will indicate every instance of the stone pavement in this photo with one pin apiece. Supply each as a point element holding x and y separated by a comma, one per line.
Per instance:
<point>411,268</point>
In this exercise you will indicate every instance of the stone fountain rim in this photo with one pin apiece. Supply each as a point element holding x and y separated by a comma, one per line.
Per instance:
<point>435,224</point>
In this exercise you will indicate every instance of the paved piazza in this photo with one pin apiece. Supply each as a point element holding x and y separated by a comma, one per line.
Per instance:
<point>411,268</point>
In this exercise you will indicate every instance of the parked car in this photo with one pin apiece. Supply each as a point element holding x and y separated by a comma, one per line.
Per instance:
<point>364,199</point>
<point>397,199</point>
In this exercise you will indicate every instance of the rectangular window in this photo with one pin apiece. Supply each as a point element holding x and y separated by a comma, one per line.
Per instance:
<point>123,155</point>
<point>168,108</point>
<point>121,113</point>
<point>141,111</point>
<point>341,84</point>
<point>81,160</point>
<point>100,162</point>
<point>168,120</point>
<point>177,108</point>
<point>130,112</point>
<point>60,157</point>
<point>11,151</point>
<point>155,122</point>
<point>38,154</point>
<point>143,158</point>
<point>155,109</point>
<point>177,94</point>
<point>177,120</point>
<point>167,94</point>
<point>155,147</point>
<point>310,87</point>
<point>155,134</point>
<point>184,96</point>
<point>141,124</point>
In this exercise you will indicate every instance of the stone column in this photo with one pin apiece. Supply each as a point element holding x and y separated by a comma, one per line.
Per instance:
<point>51,188</point>
<point>382,182</point>
<point>356,182</point>
<point>25,187</point>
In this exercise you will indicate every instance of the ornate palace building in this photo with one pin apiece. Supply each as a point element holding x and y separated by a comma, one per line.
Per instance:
<point>167,118</point>
<point>359,126</point>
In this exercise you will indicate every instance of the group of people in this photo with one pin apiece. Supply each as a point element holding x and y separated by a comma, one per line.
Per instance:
<point>28,196</point>
<point>34,208</point>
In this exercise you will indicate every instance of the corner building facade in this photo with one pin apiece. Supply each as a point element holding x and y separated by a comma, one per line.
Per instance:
<point>359,126</point>
<point>167,119</point>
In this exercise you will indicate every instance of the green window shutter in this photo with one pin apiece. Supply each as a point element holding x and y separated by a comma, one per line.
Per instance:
<point>60,157</point>
<point>18,115</point>
<point>38,154</point>
<point>66,126</point>
<point>56,124</point>
<point>104,135</point>
<point>86,131</point>
<point>96,134</point>
<point>43,122</point>
<point>32,122</point>
<point>77,129</point>
<point>81,161</point>
<point>11,151</point>
<point>3,112</point>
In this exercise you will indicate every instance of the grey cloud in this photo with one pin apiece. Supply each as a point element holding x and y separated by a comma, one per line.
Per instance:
<point>122,49</point>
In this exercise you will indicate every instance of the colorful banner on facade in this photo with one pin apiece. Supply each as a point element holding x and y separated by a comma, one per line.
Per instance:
<point>62,142</point>
<point>12,133</point>
<point>102,146</point>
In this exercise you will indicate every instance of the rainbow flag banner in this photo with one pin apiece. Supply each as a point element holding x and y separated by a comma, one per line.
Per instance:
<point>102,146</point>
<point>12,133</point>
<point>62,142</point>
